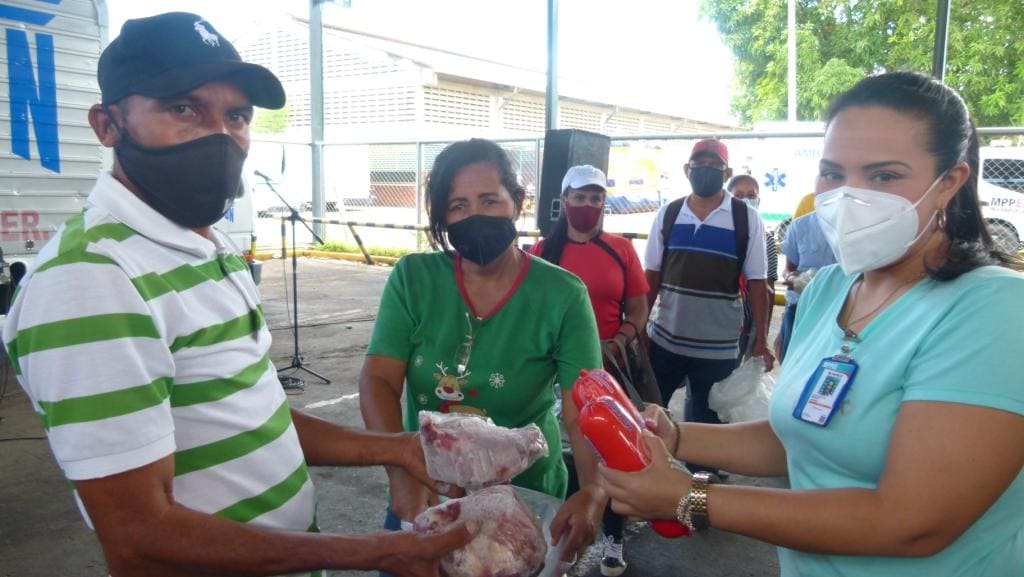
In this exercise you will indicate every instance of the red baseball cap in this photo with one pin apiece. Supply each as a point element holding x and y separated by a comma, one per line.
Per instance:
<point>711,146</point>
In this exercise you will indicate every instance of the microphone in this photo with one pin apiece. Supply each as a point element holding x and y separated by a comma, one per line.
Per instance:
<point>261,175</point>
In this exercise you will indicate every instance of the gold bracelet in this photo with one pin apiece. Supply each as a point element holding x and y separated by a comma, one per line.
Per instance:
<point>683,513</point>
<point>698,497</point>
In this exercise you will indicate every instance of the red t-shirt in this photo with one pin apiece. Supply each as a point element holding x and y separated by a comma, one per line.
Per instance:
<point>604,277</point>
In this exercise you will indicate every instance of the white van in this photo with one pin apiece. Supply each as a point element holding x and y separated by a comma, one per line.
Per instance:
<point>49,156</point>
<point>1001,191</point>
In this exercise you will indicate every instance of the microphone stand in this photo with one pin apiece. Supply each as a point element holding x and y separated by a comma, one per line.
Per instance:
<point>290,381</point>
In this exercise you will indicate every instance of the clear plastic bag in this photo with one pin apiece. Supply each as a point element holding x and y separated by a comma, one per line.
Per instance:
<point>545,507</point>
<point>509,541</point>
<point>744,395</point>
<point>472,452</point>
<point>802,279</point>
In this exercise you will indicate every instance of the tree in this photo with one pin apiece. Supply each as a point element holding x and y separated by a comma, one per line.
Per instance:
<point>270,121</point>
<point>841,41</point>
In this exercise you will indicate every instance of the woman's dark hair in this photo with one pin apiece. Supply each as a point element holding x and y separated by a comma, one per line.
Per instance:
<point>739,178</point>
<point>951,138</point>
<point>554,243</point>
<point>447,165</point>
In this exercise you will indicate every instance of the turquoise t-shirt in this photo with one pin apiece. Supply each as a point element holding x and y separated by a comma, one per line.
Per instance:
<point>545,330</point>
<point>958,341</point>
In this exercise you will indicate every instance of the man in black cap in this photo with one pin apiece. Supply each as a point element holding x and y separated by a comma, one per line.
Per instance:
<point>141,340</point>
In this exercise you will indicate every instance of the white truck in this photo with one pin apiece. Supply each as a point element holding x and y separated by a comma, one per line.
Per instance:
<point>1001,191</point>
<point>49,156</point>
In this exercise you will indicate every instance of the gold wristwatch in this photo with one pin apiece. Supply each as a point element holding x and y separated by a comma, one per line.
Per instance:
<point>698,500</point>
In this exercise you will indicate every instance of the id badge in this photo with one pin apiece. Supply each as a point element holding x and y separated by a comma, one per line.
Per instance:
<point>824,392</point>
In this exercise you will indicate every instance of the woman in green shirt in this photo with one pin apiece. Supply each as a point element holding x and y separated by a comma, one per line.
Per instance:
<point>485,329</point>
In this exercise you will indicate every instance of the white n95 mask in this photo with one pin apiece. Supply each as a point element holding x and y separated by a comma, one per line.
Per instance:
<point>868,229</point>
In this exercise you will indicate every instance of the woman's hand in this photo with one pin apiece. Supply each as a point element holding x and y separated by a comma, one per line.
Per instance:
<point>409,497</point>
<point>579,520</point>
<point>658,422</point>
<point>651,493</point>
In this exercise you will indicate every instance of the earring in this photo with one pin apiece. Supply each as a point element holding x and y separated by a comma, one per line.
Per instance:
<point>940,221</point>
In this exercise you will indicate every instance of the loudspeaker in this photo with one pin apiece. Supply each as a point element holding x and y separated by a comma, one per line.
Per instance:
<point>564,149</point>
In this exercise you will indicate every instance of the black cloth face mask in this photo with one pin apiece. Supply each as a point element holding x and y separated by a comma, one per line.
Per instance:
<point>192,184</point>
<point>481,238</point>
<point>706,180</point>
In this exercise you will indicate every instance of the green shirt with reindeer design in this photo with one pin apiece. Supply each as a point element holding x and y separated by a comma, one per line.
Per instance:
<point>503,366</point>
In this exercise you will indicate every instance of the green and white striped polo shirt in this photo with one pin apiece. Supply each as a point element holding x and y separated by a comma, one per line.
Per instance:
<point>136,339</point>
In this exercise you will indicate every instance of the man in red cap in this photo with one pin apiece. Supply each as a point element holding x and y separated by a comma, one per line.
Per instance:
<point>699,248</point>
<point>140,338</point>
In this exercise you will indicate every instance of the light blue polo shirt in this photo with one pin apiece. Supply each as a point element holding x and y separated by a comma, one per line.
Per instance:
<point>806,247</point>
<point>959,341</point>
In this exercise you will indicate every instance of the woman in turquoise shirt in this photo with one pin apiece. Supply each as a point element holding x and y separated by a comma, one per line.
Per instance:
<point>899,412</point>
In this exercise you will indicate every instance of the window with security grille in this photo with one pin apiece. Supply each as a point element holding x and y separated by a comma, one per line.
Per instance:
<point>1004,172</point>
<point>459,107</point>
<point>653,126</point>
<point>523,114</point>
<point>575,116</point>
<point>623,123</point>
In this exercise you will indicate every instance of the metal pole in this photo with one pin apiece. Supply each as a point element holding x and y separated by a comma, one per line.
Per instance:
<point>941,40</point>
<point>536,181</point>
<point>551,96</point>
<point>316,107</point>
<point>791,67</point>
<point>419,182</point>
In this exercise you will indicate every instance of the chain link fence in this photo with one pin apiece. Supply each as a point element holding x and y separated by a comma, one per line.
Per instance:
<point>384,183</point>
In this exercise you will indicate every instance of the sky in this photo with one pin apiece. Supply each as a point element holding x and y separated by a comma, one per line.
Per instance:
<point>660,49</point>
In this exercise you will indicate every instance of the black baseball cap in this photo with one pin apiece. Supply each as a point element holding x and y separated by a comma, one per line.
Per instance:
<point>171,54</point>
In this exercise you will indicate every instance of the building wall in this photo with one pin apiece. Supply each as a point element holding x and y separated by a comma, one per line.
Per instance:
<point>372,95</point>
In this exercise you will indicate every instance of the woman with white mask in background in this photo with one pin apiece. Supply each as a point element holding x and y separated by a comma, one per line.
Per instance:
<point>899,411</point>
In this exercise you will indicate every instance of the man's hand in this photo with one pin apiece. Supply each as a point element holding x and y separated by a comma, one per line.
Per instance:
<point>579,520</point>
<point>415,465</point>
<point>413,555</point>
<point>761,350</point>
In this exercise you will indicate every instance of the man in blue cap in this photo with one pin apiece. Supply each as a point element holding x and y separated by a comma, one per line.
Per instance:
<point>141,340</point>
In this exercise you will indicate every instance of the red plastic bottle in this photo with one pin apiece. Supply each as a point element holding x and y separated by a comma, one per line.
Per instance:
<point>596,383</point>
<point>617,437</point>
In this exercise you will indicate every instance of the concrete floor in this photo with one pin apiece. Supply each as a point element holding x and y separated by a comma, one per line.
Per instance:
<point>42,534</point>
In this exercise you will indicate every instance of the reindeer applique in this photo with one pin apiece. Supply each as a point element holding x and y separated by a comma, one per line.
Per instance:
<point>449,390</point>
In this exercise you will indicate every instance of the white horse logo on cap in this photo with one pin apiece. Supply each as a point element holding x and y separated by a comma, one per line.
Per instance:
<point>209,38</point>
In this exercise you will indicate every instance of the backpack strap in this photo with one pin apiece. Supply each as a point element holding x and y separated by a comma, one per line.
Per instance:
<point>741,226</point>
<point>625,277</point>
<point>671,214</point>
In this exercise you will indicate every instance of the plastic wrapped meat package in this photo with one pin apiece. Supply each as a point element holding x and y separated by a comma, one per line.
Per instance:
<point>510,541</point>
<point>472,452</point>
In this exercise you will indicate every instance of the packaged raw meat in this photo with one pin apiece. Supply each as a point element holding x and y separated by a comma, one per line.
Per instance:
<point>509,541</point>
<point>473,452</point>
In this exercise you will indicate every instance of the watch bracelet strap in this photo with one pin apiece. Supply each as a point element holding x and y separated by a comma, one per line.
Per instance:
<point>698,500</point>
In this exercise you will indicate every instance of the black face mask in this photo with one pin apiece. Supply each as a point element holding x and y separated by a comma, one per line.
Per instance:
<point>706,180</point>
<point>480,238</point>
<point>193,183</point>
